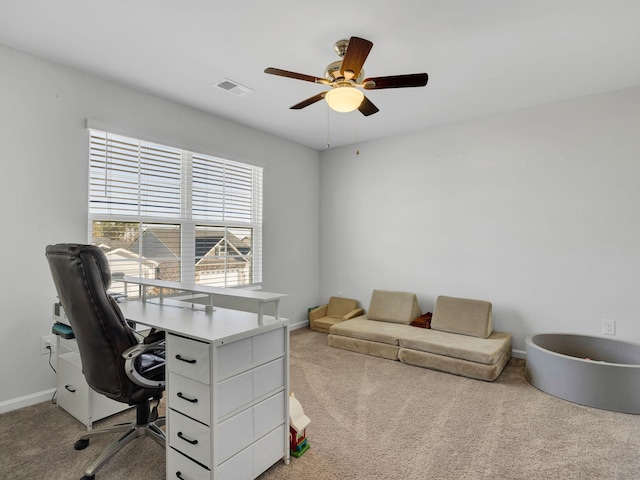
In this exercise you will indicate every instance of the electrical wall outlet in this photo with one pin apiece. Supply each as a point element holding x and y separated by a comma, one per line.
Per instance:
<point>47,341</point>
<point>609,327</point>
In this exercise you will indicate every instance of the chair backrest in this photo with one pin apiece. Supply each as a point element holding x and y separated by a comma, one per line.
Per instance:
<point>82,277</point>
<point>338,307</point>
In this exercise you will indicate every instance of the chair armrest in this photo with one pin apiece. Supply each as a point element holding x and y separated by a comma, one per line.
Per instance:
<point>132,354</point>
<point>151,336</point>
<point>318,312</point>
<point>354,313</point>
<point>154,337</point>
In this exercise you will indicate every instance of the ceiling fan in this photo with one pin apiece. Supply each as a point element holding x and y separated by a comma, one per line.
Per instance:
<point>345,77</point>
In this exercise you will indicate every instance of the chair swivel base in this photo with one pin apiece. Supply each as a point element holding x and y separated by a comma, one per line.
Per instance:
<point>130,431</point>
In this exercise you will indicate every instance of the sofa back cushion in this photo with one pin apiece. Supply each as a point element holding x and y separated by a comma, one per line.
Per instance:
<point>462,315</point>
<point>338,307</point>
<point>394,307</point>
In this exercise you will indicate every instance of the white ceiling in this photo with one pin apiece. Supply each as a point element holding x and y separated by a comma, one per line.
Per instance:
<point>482,57</point>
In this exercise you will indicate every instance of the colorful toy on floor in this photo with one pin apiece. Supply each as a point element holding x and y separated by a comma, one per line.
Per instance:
<point>298,423</point>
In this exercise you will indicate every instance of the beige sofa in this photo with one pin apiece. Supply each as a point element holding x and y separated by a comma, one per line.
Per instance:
<point>338,309</point>
<point>461,339</point>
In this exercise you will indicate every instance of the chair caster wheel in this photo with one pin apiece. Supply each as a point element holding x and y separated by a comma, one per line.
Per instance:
<point>81,445</point>
<point>88,478</point>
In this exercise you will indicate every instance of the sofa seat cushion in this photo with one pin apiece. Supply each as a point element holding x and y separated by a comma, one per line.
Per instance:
<point>479,371</point>
<point>372,330</point>
<point>376,349</point>
<point>480,350</point>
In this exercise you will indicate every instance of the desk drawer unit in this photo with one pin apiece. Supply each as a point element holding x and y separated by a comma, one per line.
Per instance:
<point>180,467</point>
<point>227,405</point>
<point>189,358</point>
<point>240,390</point>
<point>76,397</point>
<point>253,460</point>
<point>239,431</point>
<point>190,437</point>
<point>244,465</point>
<point>189,397</point>
<point>242,355</point>
<point>193,439</point>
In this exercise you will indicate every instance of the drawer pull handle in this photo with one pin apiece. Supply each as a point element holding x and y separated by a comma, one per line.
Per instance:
<point>179,475</point>
<point>182,396</point>
<point>188,360</point>
<point>70,388</point>
<point>182,437</point>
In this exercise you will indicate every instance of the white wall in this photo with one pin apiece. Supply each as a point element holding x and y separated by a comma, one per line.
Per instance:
<point>43,192</point>
<point>536,211</point>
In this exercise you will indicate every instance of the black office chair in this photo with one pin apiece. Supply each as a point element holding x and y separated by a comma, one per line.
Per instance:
<point>114,362</point>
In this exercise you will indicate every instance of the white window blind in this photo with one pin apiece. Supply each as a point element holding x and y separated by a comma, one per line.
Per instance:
<point>166,213</point>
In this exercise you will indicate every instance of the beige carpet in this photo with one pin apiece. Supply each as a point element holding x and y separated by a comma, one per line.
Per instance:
<point>377,419</point>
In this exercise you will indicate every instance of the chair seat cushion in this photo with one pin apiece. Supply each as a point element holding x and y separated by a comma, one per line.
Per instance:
<point>323,324</point>
<point>151,366</point>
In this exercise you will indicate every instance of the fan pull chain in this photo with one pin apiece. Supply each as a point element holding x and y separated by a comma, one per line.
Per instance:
<point>328,128</point>
<point>357,134</point>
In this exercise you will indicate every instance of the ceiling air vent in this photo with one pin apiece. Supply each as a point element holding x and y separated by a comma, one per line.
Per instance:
<point>233,87</point>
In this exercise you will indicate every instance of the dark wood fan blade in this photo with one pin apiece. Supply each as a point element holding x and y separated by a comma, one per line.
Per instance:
<point>357,52</point>
<point>297,76</point>
<point>308,101</point>
<point>367,107</point>
<point>396,81</point>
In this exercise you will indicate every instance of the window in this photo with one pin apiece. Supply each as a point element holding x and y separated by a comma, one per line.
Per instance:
<point>170,214</point>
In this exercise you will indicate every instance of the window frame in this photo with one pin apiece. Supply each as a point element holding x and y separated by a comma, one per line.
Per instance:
<point>244,192</point>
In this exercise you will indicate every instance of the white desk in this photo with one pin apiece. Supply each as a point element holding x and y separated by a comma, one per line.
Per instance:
<point>254,297</point>
<point>227,390</point>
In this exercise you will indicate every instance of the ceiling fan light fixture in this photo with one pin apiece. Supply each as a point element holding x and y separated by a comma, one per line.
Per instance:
<point>346,77</point>
<point>344,99</point>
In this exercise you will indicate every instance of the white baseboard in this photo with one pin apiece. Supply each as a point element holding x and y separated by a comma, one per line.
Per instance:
<point>300,324</point>
<point>26,401</point>
<point>519,354</point>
